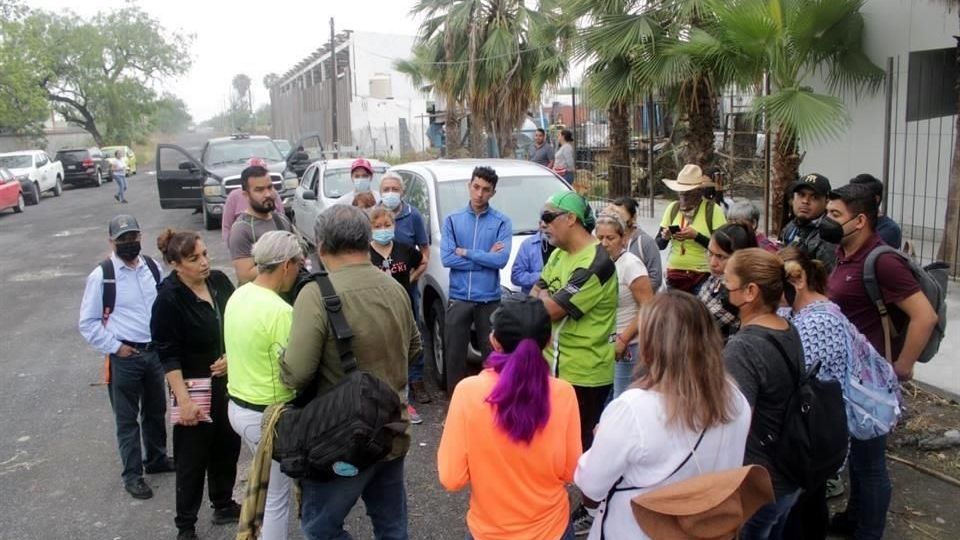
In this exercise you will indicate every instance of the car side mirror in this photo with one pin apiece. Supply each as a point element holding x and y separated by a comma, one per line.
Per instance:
<point>188,166</point>
<point>309,195</point>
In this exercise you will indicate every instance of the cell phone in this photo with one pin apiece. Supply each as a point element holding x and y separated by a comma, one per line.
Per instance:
<point>674,229</point>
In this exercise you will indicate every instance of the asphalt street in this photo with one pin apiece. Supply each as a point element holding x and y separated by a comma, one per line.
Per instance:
<point>59,467</point>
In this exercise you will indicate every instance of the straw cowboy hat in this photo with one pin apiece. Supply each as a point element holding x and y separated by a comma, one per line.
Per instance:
<point>706,507</point>
<point>691,177</point>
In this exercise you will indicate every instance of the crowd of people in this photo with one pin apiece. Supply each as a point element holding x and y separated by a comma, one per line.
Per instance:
<point>630,383</point>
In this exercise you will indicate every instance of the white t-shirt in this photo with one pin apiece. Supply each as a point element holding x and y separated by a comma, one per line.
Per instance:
<point>629,268</point>
<point>633,441</point>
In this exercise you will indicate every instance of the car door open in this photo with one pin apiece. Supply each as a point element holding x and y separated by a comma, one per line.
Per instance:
<point>179,178</point>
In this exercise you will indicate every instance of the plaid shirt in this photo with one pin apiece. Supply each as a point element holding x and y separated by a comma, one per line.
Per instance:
<point>714,295</point>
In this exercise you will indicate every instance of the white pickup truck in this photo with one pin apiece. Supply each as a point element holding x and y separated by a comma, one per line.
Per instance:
<point>36,172</point>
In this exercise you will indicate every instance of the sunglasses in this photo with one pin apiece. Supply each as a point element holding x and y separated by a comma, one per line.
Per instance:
<point>548,217</point>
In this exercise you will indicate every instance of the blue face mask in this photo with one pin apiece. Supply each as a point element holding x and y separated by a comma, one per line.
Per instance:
<point>391,200</point>
<point>383,236</point>
<point>362,185</point>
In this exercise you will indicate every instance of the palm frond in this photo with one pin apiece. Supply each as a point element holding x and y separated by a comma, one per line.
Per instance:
<point>803,114</point>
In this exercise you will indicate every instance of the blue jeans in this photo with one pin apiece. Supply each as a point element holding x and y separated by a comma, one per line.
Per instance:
<point>567,534</point>
<point>326,504</point>
<point>769,521</point>
<point>415,368</point>
<point>869,487</point>
<point>623,372</point>
<point>121,182</point>
<point>138,397</point>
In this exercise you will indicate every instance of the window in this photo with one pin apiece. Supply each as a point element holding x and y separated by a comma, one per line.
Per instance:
<point>518,197</point>
<point>309,180</point>
<point>41,159</point>
<point>416,193</point>
<point>337,182</point>
<point>930,84</point>
<point>15,162</point>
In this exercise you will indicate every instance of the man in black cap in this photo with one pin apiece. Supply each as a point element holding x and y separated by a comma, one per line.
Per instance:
<point>809,204</point>
<point>115,320</point>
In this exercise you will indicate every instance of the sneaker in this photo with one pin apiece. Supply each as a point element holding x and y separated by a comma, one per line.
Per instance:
<point>138,489</point>
<point>116,198</point>
<point>165,466</point>
<point>835,487</point>
<point>582,521</point>
<point>187,534</point>
<point>227,514</point>
<point>420,393</point>
<point>414,417</point>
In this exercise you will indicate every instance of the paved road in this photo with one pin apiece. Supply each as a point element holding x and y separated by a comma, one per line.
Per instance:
<point>59,469</point>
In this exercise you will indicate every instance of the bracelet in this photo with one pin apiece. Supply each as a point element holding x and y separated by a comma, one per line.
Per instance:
<point>620,339</point>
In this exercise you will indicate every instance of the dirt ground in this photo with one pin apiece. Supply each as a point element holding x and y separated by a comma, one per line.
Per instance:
<point>924,507</point>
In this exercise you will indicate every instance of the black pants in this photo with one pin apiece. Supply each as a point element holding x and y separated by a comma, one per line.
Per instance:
<point>138,397</point>
<point>206,450</point>
<point>590,401</point>
<point>457,321</point>
<point>809,517</point>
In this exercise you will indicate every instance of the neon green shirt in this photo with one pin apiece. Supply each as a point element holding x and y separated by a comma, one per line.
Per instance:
<point>585,285</point>
<point>256,327</point>
<point>689,254</point>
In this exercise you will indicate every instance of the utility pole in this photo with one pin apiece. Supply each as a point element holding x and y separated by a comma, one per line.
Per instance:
<point>333,88</point>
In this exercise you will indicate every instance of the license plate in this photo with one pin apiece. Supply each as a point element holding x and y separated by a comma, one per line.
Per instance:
<point>71,167</point>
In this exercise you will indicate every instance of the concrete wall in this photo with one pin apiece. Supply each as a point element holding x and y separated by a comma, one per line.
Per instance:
<point>374,53</point>
<point>923,149</point>
<point>56,139</point>
<point>376,125</point>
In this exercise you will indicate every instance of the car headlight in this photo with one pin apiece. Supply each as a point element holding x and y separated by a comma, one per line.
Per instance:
<point>213,191</point>
<point>290,183</point>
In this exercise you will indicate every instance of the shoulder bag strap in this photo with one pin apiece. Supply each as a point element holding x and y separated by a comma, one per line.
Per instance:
<point>109,290</point>
<point>154,269</point>
<point>796,374</point>
<point>337,321</point>
<point>873,291</point>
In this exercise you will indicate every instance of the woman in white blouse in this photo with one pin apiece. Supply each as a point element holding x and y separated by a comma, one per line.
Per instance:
<point>682,418</point>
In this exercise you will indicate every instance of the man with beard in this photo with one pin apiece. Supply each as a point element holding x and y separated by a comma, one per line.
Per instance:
<point>809,204</point>
<point>115,320</point>
<point>258,219</point>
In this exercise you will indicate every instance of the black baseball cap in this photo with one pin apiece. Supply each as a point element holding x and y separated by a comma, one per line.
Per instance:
<point>520,318</point>
<point>123,224</point>
<point>819,183</point>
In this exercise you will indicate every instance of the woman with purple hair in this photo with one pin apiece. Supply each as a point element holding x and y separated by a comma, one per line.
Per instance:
<point>513,433</point>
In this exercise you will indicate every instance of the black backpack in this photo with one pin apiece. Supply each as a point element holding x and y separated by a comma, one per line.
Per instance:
<point>812,443</point>
<point>933,282</point>
<point>347,428</point>
<point>109,292</point>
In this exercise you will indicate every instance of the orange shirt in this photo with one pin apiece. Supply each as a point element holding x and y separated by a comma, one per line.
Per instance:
<point>516,490</point>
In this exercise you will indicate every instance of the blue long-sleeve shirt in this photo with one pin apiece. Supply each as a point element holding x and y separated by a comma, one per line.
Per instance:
<point>130,320</point>
<point>528,264</point>
<point>475,277</point>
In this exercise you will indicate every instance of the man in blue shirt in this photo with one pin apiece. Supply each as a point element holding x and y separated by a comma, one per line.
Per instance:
<point>532,255</point>
<point>475,246</point>
<point>409,229</point>
<point>886,228</point>
<point>135,377</point>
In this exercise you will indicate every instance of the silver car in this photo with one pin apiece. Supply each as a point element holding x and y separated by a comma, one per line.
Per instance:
<point>438,188</point>
<point>322,183</point>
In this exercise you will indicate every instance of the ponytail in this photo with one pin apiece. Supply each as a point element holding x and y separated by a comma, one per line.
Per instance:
<point>521,398</point>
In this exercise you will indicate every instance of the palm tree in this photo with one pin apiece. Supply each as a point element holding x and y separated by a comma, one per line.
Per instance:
<point>494,56</point>
<point>241,85</point>
<point>789,41</point>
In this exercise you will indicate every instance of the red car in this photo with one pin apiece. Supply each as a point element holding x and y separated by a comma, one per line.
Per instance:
<point>11,195</point>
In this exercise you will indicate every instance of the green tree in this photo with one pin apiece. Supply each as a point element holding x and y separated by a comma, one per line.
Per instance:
<point>269,80</point>
<point>241,86</point>
<point>170,115</point>
<point>98,73</point>
<point>790,41</point>
<point>23,106</point>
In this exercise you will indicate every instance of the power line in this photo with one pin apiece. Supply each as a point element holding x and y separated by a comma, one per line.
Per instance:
<point>458,62</point>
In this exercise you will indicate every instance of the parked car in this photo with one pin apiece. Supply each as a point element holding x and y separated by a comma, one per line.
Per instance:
<point>438,188</point>
<point>283,145</point>
<point>11,194</point>
<point>126,154</point>
<point>203,183</point>
<point>322,183</point>
<point>36,173</point>
<point>84,166</point>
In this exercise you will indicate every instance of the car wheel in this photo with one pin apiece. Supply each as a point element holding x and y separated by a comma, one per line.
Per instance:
<point>98,181</point>
<point>33,197</point>
<point>21,204</point>
<point>436,352</point>
<point>58,189</point>
<point>210,222</point>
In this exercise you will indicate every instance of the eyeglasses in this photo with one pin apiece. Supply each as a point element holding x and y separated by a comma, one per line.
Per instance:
<point>548,217</point>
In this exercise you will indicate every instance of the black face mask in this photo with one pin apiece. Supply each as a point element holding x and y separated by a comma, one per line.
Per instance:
<point>831,230</point>
<point>790,293</point>
<point>128,251</point>
<point>732,308</point>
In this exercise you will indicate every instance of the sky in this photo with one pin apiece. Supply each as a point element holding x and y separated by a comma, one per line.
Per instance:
<point>252,37</point>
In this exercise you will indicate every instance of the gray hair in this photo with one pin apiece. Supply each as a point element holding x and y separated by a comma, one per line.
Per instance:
<point>744,211</point>
<point>610,218</point>
<point>342,228</point>
<point>275,248</point>
<point>396,176</point>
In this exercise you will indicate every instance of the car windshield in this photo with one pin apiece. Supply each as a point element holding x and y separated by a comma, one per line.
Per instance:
<point>240,150</point>
<point>16,162</point>
<point>72,155</point>
<point>337,182</point>
<point>519,197</point>
<point>283,145</point>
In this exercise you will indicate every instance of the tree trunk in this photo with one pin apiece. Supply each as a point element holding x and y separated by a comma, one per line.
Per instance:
<point>951,221</point>
<point>786,167</point>
<point>699,136</point>
<point>452,128</point>
<point>476,138</point>
<point>619,169</point>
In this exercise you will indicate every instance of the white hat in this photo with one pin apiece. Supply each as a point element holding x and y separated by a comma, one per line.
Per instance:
<point>691,177</point>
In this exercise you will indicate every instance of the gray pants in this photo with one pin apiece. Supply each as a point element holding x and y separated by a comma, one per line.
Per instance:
<point>459,317</point>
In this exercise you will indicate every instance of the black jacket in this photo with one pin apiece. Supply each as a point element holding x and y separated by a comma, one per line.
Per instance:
<point>807,236</point>
<point>188,331</point>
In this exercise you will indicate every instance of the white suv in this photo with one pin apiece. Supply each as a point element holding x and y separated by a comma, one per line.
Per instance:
<point>438,188</point>
<point>36,173</point>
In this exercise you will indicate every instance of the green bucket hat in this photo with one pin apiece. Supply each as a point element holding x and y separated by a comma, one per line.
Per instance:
<point>573,202</point>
